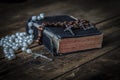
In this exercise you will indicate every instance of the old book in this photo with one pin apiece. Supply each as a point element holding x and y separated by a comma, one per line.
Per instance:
<point>58,41</point>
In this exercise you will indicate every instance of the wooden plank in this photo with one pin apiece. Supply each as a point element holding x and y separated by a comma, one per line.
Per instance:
<point>61,65</point>
<point>78,73</point>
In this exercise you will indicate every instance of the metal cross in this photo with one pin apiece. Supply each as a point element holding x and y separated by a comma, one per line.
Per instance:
<point>68,28</point>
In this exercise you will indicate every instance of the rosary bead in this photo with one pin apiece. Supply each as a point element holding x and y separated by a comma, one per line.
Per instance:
<point>25,40</point>
<point>9,57</point>
<point>21,34</point>
<point>30,31</point>
<point>31,36</point>
<point>34,18</point>
<point>25,44</point>
<point>20,41</point>
<point>24,33</point>
<point>16,40</point>
<point>15,47</point>
<point>5,50</point>
<point>6,37</point>
<point>29,41</point>
<point>4,45</point>
<point>38,18</point>
<point>17,34</point>
<point>27,37</point>
<point>10,40</point>
<point>11,54</point>
<point>30,24</point>
<point>28,51</point>
<point>23,48</point>
<point>42,15</point>
<point>12,36</point>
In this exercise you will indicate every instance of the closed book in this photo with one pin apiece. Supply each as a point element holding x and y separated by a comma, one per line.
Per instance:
<point>58,41</point>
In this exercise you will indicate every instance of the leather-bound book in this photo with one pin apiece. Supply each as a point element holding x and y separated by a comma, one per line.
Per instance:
<point>59,40</point>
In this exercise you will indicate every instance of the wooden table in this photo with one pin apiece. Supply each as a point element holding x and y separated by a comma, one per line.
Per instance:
<point>81,65</point>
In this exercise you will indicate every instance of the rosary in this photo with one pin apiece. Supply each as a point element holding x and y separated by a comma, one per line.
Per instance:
<point>68,25</point>
<point>19,41</point>
<point>22,40</point>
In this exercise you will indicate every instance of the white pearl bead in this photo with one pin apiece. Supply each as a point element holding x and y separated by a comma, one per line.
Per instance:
<point>21,34</point>
<point>10,44</point>
<point>30,24</point>
<point>17,34</point>
<point>9,58</point>
<point>42,15</point>
<point>20,41</point>
<point>13,44</point>
<point>23,48</point>
<point>15,47</point>
<point>24,33</point>
<point>10,41</point>
<point>16,40</point>
<point>25,40</point>
<point>11,50</point>
<point>34,18</point>
<point>13,36</point>
<point>31,36</point>
<point>10,38</point>
<point>27,37</point>
<point>28,51</point>
<point>6,37</point>
<point>20,38</point>
<point>30,41</point>
<point>5,40</point>
<point>38,18</point>
<point>25,44</point>
<point>5,50</point>
<point>4,45</point>
<point>30,31</point>
<point>17,44</point>
<point>12,55</point>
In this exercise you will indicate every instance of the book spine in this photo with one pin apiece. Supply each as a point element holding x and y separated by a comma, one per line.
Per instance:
<point>54,41</point>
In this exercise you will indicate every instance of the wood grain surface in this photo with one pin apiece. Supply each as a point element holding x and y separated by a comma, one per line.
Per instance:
<point>96,64</point>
